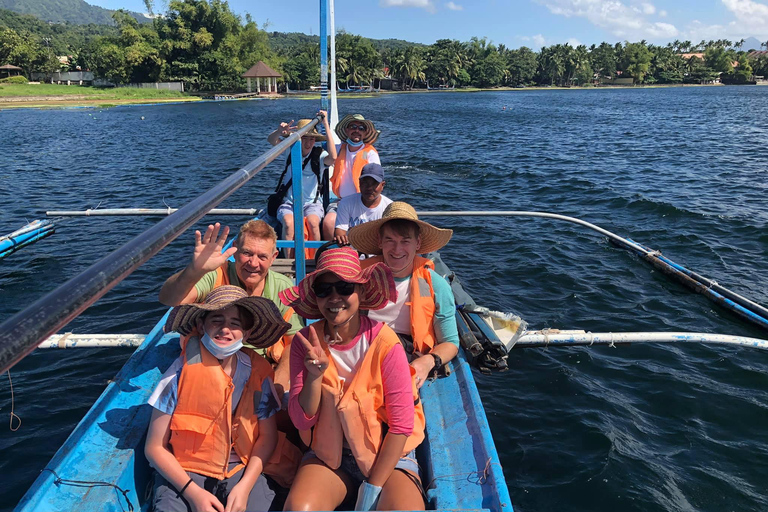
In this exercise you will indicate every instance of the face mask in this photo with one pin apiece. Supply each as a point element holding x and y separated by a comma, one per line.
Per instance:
<point>354,144</point>
<point>217,350</point>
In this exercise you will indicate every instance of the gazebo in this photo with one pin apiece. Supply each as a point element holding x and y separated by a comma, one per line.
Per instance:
<point>5,71</point>
<point>261,71</point>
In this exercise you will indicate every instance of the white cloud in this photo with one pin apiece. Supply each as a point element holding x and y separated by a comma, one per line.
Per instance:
<point>662,14</point>
<point>538,40</point>
<point>573,42</point>
<point>627,19</point>
<point>420,4</point>
<point>454,7</point>
<point>751,19</point>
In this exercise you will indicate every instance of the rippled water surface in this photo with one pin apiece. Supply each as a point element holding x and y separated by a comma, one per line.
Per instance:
<point>636,428</point>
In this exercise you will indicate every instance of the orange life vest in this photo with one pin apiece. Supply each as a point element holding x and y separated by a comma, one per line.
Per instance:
<point>204,432</point>
<point>340,167</point>
<point>358,414</point>
<point>422,302</point>
<point>222,279</point>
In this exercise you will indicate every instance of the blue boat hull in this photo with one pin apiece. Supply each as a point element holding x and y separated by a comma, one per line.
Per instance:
<point>461,468</point>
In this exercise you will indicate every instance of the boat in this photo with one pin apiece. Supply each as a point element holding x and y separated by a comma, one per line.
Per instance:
<point>101,466</point>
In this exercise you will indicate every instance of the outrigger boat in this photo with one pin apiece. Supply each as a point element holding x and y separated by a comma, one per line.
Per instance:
<point>101,466</point>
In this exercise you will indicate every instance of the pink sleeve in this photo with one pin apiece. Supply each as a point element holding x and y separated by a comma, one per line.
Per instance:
<point>398,391</point>
<point>298,372</point>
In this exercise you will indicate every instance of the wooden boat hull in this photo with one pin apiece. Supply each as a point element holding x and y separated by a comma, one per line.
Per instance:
<point>105,452</point>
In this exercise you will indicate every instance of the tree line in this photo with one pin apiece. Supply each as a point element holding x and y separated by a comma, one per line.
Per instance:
<point>204,44</point>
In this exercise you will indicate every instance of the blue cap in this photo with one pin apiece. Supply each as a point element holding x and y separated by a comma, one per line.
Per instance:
<point>375,171</point>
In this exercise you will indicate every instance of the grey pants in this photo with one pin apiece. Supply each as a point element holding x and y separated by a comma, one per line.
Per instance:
<point>166,499</point>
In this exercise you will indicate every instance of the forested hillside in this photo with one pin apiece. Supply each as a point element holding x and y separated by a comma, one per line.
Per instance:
<point>64,11</point>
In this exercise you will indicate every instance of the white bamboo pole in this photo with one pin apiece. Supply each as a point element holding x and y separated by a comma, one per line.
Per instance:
<point>145,211</point>
<point>555,337</point>
<point>69,340</point>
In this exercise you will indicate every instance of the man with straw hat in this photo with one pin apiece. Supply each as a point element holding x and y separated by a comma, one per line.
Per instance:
<point>423,315</point>
<point>311,175</point>
<point>357,135</point>
<point>213,431</point>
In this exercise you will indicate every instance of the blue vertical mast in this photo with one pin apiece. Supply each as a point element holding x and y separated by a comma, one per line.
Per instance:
<point>324,54</point>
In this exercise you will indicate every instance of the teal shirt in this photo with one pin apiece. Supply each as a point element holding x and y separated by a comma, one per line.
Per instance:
<point>444,321</point>
<point>274,283</point>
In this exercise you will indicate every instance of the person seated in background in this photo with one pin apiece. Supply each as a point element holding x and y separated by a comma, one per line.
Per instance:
<point>365,206</point>
<point>353,397</point>
<point>213,431</point>
<point>311,179</point>
<point>254,250</point>
<point>424,313</point>
<point>357,136</point>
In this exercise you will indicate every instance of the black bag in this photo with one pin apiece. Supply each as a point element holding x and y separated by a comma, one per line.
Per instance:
<point>276,198</point>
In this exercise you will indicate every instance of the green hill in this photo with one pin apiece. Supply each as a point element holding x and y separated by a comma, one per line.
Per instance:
<point>63,38</point>
<point>64,11</point>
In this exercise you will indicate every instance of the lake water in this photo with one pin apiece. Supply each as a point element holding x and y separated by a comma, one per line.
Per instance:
<point>634,428</point>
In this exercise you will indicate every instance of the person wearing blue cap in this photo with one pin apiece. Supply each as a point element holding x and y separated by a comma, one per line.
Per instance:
<point>365,206</point>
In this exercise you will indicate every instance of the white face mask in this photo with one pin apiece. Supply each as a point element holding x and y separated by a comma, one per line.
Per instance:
<point>217,350</point>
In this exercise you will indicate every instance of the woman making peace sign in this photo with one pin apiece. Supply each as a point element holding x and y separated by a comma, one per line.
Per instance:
<point>353,397</point>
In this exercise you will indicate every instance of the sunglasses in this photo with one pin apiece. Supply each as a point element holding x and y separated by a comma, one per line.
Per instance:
<point>343,288</point>
<point>360,127</point>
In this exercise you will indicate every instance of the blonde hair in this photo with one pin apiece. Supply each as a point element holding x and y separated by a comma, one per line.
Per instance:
<point>256,229</point>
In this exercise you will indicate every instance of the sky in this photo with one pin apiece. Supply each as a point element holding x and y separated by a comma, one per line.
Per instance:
<point>514,23</point>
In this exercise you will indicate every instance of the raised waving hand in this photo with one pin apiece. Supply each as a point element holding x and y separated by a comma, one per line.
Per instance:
<point>208,255</point>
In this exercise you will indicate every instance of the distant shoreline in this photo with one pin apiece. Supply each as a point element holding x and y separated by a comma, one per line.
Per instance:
<point>86,101</point>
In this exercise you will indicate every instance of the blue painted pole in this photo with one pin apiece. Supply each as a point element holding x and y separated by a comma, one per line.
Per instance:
<point>324,54</point>
<point>298,211</point>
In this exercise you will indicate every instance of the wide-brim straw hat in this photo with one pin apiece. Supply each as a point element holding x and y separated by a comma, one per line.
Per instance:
<point>268,324</point>
<point>371,133</point>
<point>365,237</point>
<point>314,133</point>
<point>378,285</point>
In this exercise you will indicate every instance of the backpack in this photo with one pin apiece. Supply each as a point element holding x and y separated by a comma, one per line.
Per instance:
<point>276,198</point>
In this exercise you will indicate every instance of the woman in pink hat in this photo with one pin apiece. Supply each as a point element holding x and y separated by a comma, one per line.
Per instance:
<point>353,397</point>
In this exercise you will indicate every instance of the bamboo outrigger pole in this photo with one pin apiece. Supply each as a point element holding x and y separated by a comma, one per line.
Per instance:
<point>147,212</point>
<point>742,306</point>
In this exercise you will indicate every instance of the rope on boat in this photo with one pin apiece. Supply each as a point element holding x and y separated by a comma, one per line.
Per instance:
<point>481,474</point>
<point>85,483</point>
<point>13,414</point>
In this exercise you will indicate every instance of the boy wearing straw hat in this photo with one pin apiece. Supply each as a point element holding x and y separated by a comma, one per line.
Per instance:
<point>357,135</point>
<point>424,313</point>
<point>314,158</point>
<point>213,432</point>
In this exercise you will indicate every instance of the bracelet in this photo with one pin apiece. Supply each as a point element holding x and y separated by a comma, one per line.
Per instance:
<point>178,494</point>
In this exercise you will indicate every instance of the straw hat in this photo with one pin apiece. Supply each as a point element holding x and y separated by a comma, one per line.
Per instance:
<point>371,133</point>
<point>377,283</point>
<point>268,324</point>
<point>365,237</point>
<point>314,133</point>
